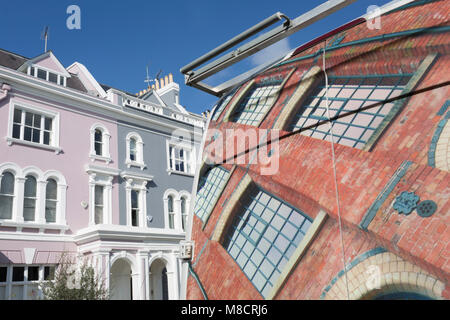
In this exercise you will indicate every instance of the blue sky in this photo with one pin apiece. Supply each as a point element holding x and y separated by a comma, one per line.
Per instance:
<point>118,39</point>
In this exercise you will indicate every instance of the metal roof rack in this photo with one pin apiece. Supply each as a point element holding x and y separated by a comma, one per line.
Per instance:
<point>194,78</point>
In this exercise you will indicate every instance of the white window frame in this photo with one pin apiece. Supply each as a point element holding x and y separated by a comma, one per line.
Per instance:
<point>102,176</point>
<point>187,196</point>
<point>17,219</point>
<point>106,136</point>
<point>54,146</point>
<point>139,162</point>
<point>178,223</point>
<point>137,182</point>
<point>9,283</point>
<point>186,147</point>
<point>61,79</point>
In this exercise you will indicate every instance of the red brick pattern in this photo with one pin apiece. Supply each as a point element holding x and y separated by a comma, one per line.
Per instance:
<point>305,176</point>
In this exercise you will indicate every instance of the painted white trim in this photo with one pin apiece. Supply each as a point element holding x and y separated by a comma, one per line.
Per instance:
<point>20,174</point>
<point>118,233</point>
<point>102,176</point>
<point>46,89</point>
<point>89,77</point>
<point>136,176</point>
<point>136,182</point>
<point>90,169</point>
<point>54,146</point>
<point>187,147</point>
<point>177,195</point>
<point>48,54</point>
<point>139,162</point>
<point>106,137</point>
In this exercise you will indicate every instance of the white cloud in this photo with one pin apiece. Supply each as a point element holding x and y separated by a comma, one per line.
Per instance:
<point>276,50</point>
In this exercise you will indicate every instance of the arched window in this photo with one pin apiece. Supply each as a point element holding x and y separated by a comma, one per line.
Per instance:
<point>183,213</point>
<point>6,195</point>
<point>171,212</point>
<point>134,151</point>
<point>29,201</point>
<point>98,142</point>
<point>51,200</point>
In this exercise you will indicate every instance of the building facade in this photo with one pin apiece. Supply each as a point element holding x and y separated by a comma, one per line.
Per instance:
<point>95,172</point>
<point>363,216</point>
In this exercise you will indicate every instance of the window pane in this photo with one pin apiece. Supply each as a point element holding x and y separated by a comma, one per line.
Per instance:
<point>51,190</point>
<point>209,189</point>
<point>30,186</point>
<point>48,124</point>
<point>52,77</point>
<point>33,292</point>
<point>18,274</point>
<point>17,292</point>
<point>132,149</point>
<point>51,201</point>
<point>29,208</point>
<point>270,251</point>
<point>50,211</point>
<point>98,204</point>
<point>27,134</point>
<point>171,221</point>
<point>98,195</point>
<point>170,204</point>
<point>98,135</point>
<point>134,217</point>
<point>33,273</point>
<point>49,273</point>
<point>98,142</point>
<point>348,93</point>
<point>47,138</point>
<point>98,149</point>
<point>36,135</point>
<point>42,74</point>
<point>3,273</point>
<point>7,183</point>
<point>183,205</point>
<point>6,204</point>
<point>255,104</point>
<point>37,121</point>
<point>16,131</point>
<point>98,215</point>
<point>28,118</point>
<point>17,116</point>
<point>134,199</point>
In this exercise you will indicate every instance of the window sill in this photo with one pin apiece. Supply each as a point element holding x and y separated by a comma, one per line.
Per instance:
<point>100,158</point>
<point>169,171</point>
<point>12,141</point>
<point>34,225</point>
<point>140,165</point>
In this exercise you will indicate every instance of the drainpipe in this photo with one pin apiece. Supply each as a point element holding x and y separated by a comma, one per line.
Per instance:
<point>4,92</point>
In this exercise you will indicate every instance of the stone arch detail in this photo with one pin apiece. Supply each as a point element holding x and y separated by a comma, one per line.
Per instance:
<point>439,155</point>
<point>396,275</point>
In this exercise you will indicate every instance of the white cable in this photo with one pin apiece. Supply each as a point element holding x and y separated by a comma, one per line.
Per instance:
<point>334,170</point>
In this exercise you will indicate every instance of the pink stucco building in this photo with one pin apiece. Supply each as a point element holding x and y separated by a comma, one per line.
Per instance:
<point>76,176</point>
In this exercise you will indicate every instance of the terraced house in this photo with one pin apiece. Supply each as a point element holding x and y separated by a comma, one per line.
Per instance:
<point>93,171</point>
<point>359,210</point>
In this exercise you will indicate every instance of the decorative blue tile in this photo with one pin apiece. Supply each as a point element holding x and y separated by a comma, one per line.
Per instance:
<point>406,202</point>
